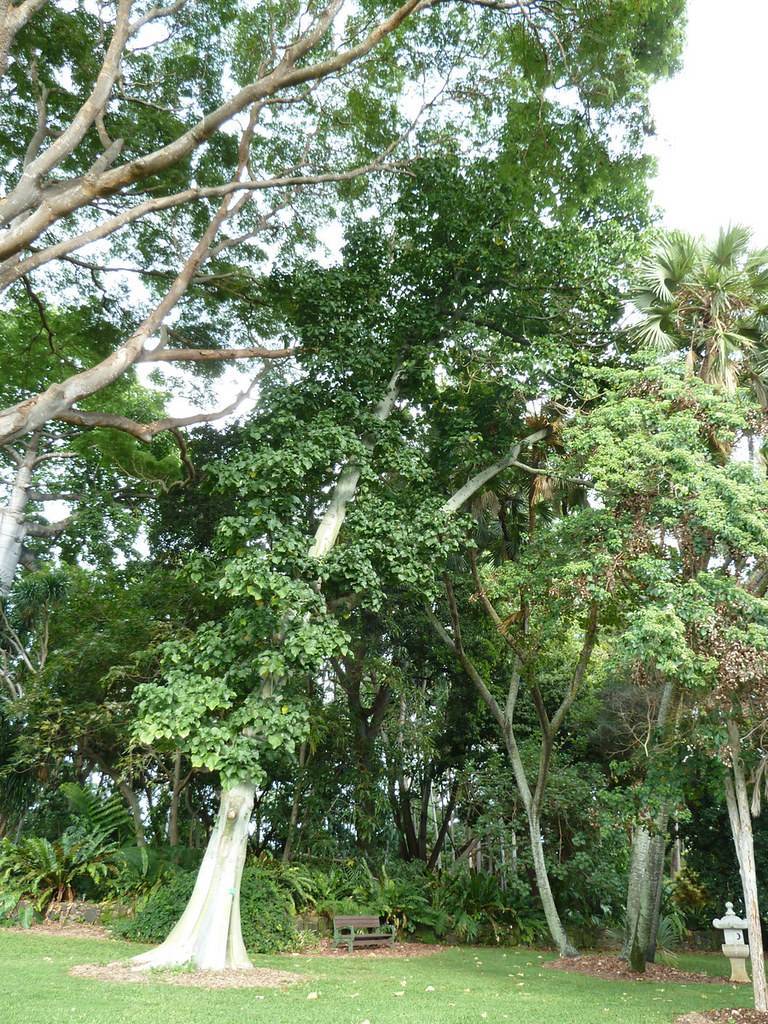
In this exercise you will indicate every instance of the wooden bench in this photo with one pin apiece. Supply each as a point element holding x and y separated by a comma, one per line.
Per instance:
<point>361,931</point>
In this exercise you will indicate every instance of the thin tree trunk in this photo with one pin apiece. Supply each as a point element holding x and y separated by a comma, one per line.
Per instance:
<point>295,804</point>
<point>173,814</point>
<point>129,794</point>
<point>209,933</point>
<point>737,799</point>
<point>555,925</point>
<point>532,801</point>
<point>441,833</point>
<point>656,880</point>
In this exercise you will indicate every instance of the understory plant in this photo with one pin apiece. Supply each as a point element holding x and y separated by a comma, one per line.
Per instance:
<point>46,872</point>
<point>266,912</point>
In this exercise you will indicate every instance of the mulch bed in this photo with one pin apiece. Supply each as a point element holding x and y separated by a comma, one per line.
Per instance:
<point>614,969</point>
<point>123,972</point>
<point>724,1017</point>
<point>65,929</point>
<point>400,950</point>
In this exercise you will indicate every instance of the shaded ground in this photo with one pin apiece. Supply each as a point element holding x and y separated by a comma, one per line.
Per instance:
<point>122,972</point>
<point>614,969</point>
<point>725,1017</point>
<point>65,929</point>
<point>399,950</point>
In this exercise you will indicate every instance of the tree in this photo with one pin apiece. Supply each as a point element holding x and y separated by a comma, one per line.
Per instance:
<point>432,288</point>
<point>708,302</point>
<point>113,150</point>
<point>697,629</point>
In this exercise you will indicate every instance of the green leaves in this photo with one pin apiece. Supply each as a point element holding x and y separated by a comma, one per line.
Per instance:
<point>706,302</point>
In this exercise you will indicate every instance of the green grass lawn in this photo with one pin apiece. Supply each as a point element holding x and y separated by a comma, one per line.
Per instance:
<point>467,985</point>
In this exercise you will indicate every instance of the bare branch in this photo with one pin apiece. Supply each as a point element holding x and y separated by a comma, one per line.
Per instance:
<point>49,529</point>
<point>474,484</point>
<point>146,431</point>
<point>11,452</point>
<point>58,496</point>
<point>155,14</point>
<point>205,355</point>
<point>34,412</point>
<point>27,192</point>
<point>12,19</point>
<point>66,197</point>
<point>11,271</point>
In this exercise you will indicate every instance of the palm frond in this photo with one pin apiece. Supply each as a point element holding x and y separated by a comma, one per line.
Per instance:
<point>731,246</point>
<point>650,334</point>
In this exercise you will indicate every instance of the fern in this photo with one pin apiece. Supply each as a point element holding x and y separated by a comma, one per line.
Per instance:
<point>107,817</point>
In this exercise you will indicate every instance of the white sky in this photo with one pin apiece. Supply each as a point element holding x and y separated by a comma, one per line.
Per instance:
<point>711,129</point>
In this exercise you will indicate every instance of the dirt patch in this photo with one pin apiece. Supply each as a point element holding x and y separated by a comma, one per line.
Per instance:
<point>65,930</point>
<point>121,971</point>
<point>400,950</point>
<point>614,969</point>
<point>724,1017</point>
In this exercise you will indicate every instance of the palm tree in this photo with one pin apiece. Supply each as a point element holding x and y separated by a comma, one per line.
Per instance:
<point>710,303</point>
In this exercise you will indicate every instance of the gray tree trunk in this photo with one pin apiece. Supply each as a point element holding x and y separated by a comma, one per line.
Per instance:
<point>655,890</point>
<point>129,795</point>
<point>209,933</point>
<point>293,821</point>
<point>644,884</point>
<point>173,813</point>
<point>555,925</point>
<point>737,799</point>
<point>13,522</point>
<point>646,865</point>
<point>532,804</point>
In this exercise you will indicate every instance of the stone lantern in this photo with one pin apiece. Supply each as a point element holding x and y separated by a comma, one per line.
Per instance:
<point>734,947</point>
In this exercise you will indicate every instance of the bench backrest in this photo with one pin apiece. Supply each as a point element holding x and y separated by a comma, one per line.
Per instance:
<point>356,922</point>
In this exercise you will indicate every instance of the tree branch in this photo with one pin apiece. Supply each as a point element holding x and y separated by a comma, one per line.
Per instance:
<point>146,431</point>
<point>74,194</point>
<point>49,529</point>
<point>204,355</point>
<point>474,484</point>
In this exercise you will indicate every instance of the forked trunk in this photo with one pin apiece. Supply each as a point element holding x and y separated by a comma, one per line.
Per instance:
<point>208,934</point>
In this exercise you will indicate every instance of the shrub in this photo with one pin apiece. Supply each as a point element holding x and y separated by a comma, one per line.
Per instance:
<point>265,913</point>
<point>45,871</point>
<point>470,905</point>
